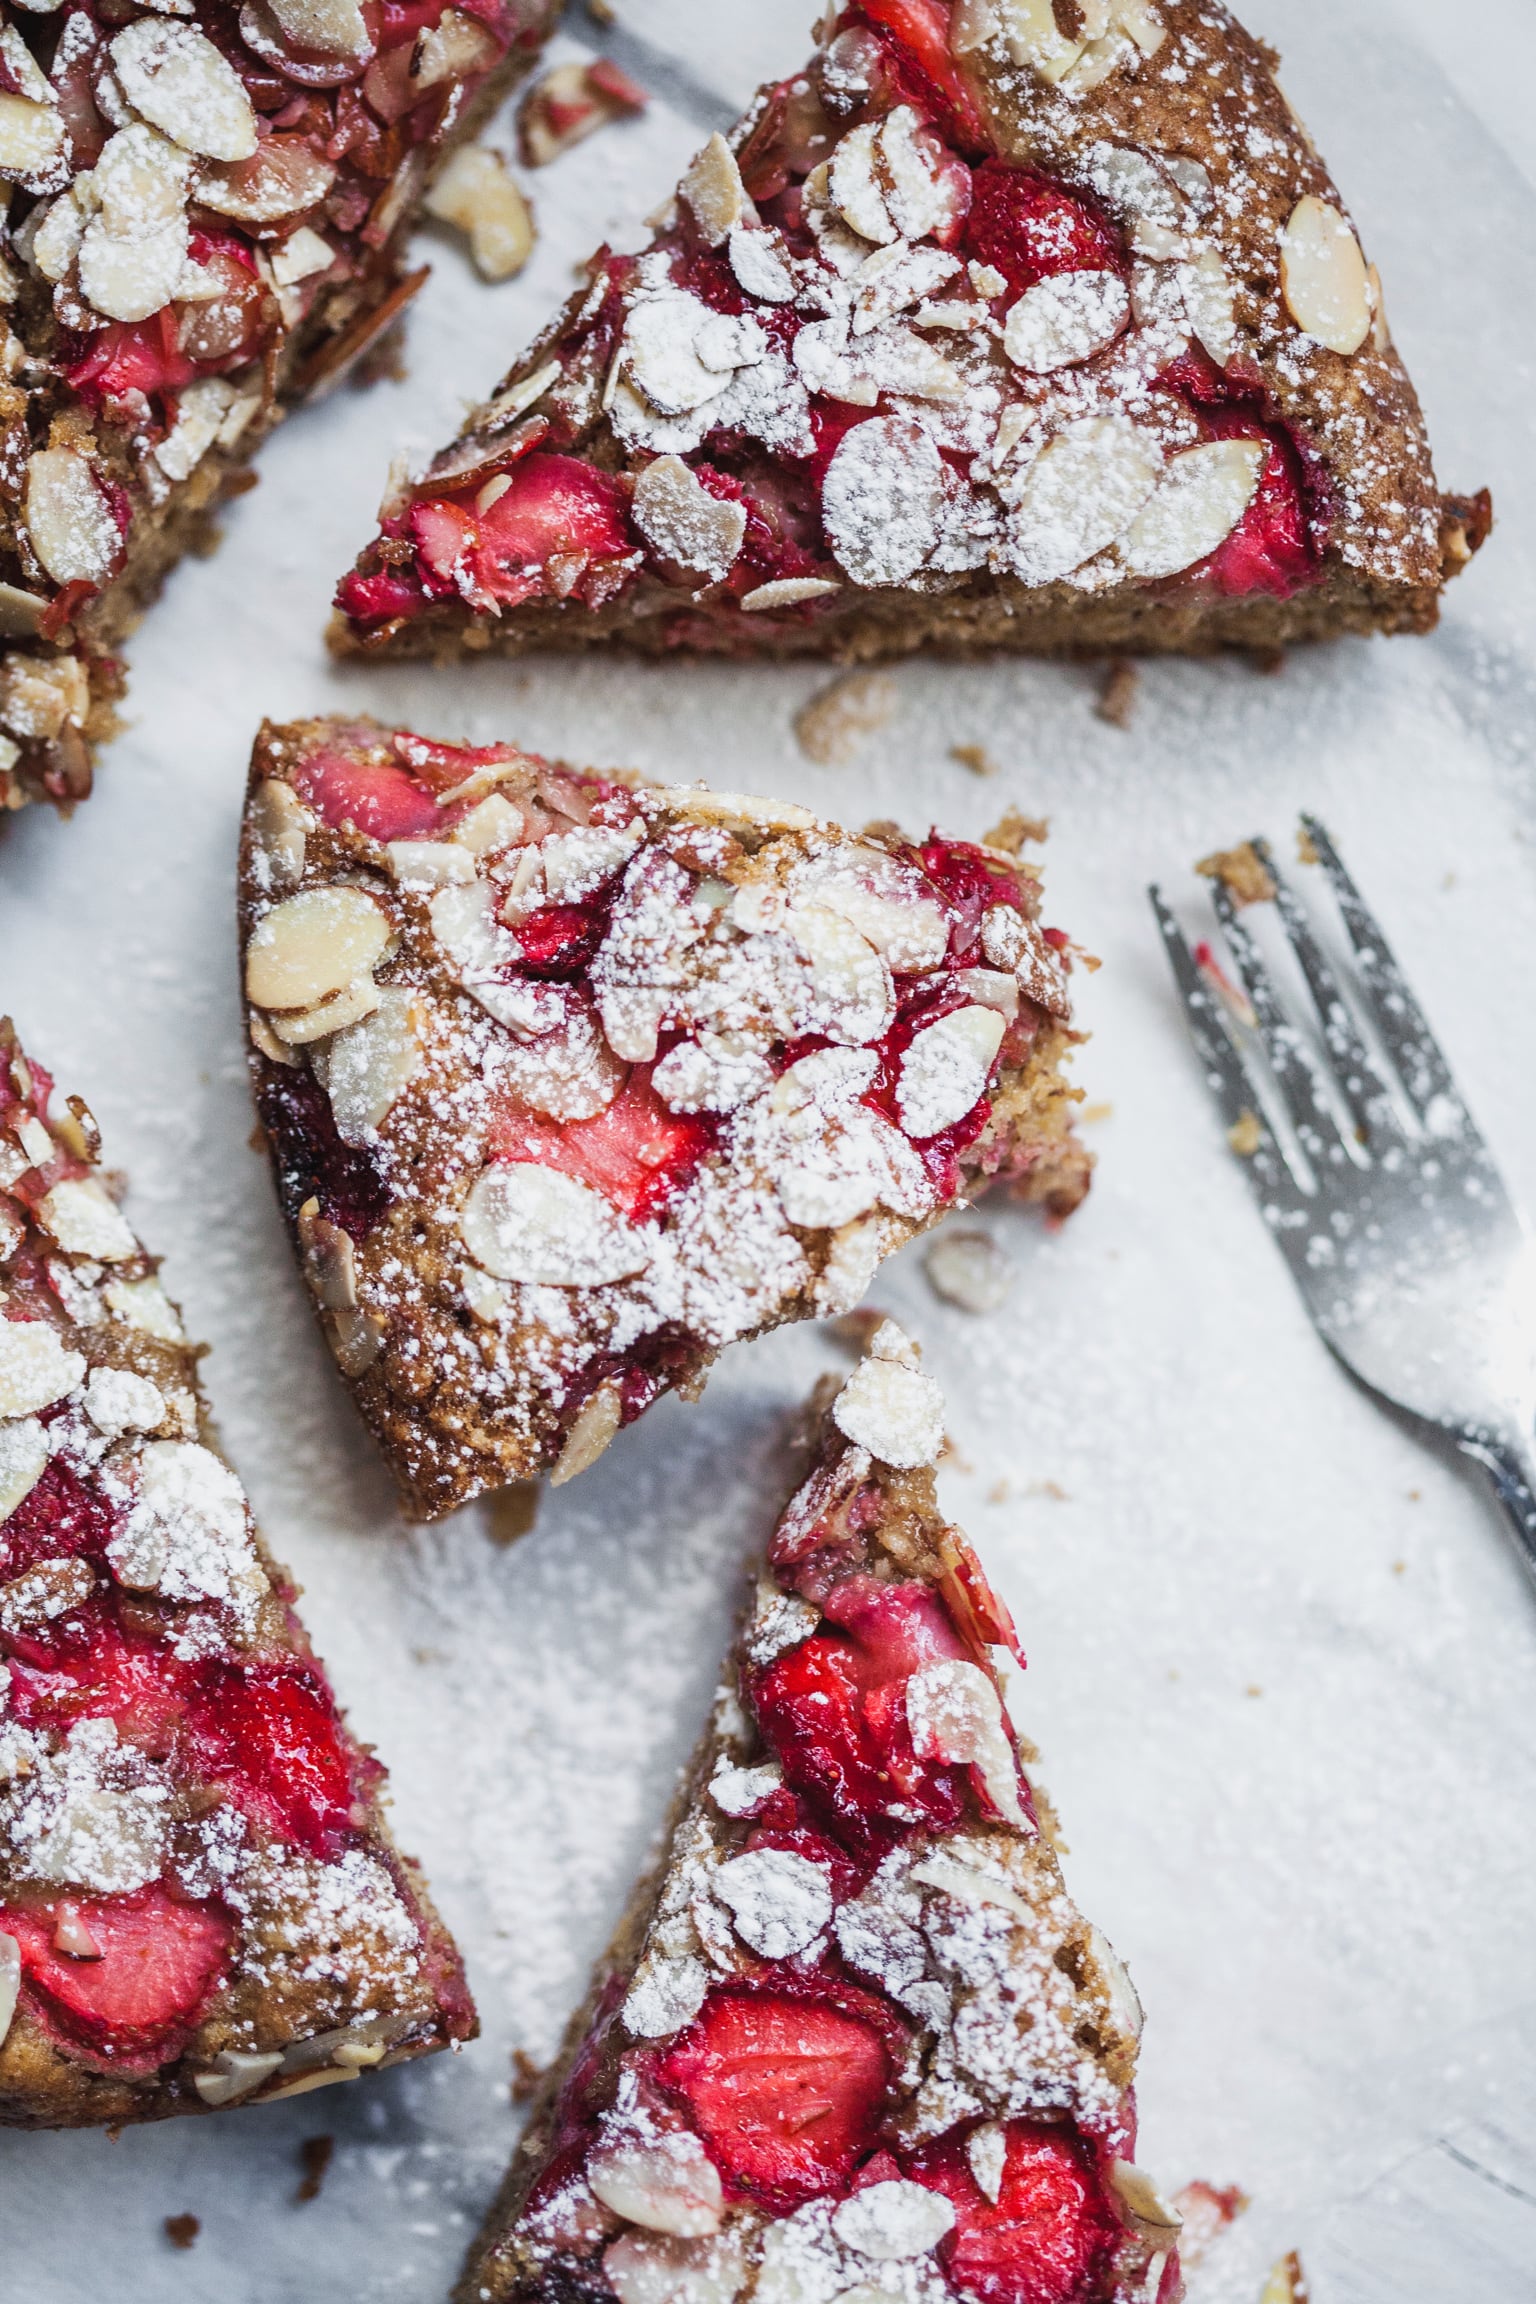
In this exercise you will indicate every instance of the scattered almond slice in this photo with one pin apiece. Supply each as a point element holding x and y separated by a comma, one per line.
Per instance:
<point>477,194</point>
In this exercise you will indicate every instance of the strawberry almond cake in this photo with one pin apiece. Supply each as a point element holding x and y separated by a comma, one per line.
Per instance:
<point>570,1080</point>
<point>853,2039</point>
<point>1022,324</point>
<point>208,208</point>
<point>200,1903</point>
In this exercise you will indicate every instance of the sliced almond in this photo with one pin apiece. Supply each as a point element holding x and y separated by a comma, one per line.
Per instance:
<point>713,190</point>
<point>1208,300</point>
<point>236,2072</point>
<point>348,1006</point>
<point>301,256</point>
<point>456,47</point>
<point>1065,319</point>
<point>69,519</point>
<point>787,592</point>
<point>86,1222</point>
<point>130,279</point>
<point>279,824</point>
<point>10,1983</point>
<point>140,182</point>
<point>282,177</point>
<point>35,1368</point>
<point>524,1222</point>
<point>477,195</point>
<point>854,186</point>
<point>40,695</point>
<point>333,27</point>
<point>1082,490</point>
<point>23,1460</point>
<point>312,946</point>
<point>668,2184</point>
<point>31,137</point>
<point>1323,276</point>
<point>595,1423</point>
<point>945,1068</point>
<point>370,1065</point>
<point>1143,2206</point>
<point>356,1339</point>
<point>1199,500</point>
<point>882,498</point>
<point>956,1715</point>
<point>679,518</point>
<point>896,1412</point>
<point>855,997</point>
<point>175,78</point>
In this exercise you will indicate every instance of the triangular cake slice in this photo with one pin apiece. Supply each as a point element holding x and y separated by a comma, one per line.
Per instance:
<point>208,215</point>
<point>1001,325</point>
<point>200,1903</point>
<point>570,1080</point>
<point>852,2037</point>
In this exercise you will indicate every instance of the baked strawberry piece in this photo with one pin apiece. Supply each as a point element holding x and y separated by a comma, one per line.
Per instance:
<point>200,1903</point>
<point>1002,325</point>
<point>852,2037</point>
<point>208,210</point>
<point>570,1081</point>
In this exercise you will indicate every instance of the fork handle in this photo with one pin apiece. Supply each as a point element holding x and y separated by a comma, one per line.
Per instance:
<point>1511,1473</point>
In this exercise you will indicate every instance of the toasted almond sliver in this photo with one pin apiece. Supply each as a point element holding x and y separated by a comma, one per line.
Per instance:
<point>714,191</point>
<point>313,945</point>
<point>477,194</point>
<point>787,592</point>
<point>69,519</point>
<point>175,78</point>
<point>1323,276</point>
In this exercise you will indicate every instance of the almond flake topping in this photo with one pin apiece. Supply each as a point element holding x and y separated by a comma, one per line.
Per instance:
<point>956,1714</point>
<point>69,519</point>
<point>666,2184</point>
<point>780,1902</point>
<point>86,1222</point>
<point>1323,276</point>
<point>1065,319</point>
<point>176,79</point>
<point>882,498</point>
<point>893,1410</point>
<point>1081,491</point>
<point>312,945</point>
<point>23,1456</point>
<point>684,523</point>
<point>523,1222</point>
<point>893,2220</point>
<point>945,1069</point>
<point>1199,500</point>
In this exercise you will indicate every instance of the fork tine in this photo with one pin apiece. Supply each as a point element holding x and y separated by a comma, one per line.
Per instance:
<point>1357,1074</point>
<point>1274,1186</point>
<point>1403,1026</point>
<point>1295,1067</point>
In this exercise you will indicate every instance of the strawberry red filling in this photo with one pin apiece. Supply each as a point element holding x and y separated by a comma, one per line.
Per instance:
<point>133,2002</point>
<point>834,1711</point>
<point>1029,228</point>
<point>1048,2237</point>
<point>785,2092</point>
<point>311,1161</point>
<point>639,1153</point>
<point>378,797</point>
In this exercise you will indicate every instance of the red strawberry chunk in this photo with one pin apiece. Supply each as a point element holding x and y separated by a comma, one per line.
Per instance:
<point>785,2093</point>
<point>375,599</point>
<point>496,550</point>
<point>62,1518</point>
<point>159,1959</point>
<point>312,1161</point>
<point>85,1666</point>
<point>1270,549</point>
<point>270,1734</point>
<point>381,799</point>
<point>1049,2236</point>
<point>920,29</point>
<point>834,1712</point>
<point>140,356</point>
<point>637,1152</point>
<point>560,940</point>
<point>1029,228</point>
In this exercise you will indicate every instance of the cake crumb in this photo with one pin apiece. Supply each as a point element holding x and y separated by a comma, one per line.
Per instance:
<point>1242,871</point>
<point>1399,1567</point>
<point>999,1492</point>
<point>831,725</point>
<point>1287,2283</point>
<point>976,757</point>
<point>1245,1134</point>
<point>1306,847</point>
<point>526,2076</point>
<point>1014,830</point>
<point>314,2158</point>
<point>1208,2210</point>
<point>511,1512</point>
<point>1117,697</point>
<point>1050,1488</point>
<point>182,2231</point>
<point>1091,1113</point>
<point>1253,1689</point>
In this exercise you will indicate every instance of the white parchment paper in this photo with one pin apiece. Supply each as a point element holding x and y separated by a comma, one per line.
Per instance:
<point>1283,1668</point>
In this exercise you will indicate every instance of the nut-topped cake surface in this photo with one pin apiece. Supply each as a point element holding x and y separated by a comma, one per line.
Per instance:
<point>199,1900</point>
<point>207,215</point>
<point>1001,325</point>
<point>570,1080</point>
<point>853,2038</point>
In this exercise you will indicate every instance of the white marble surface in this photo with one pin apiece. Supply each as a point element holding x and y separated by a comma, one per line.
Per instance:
<point>1282,1664</point>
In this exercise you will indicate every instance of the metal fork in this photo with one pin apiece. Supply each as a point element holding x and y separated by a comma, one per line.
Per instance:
<point>1417,1269</point>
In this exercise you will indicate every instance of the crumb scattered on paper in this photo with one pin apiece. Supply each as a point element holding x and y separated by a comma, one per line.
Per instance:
<point>1242,871</point>
<point>1117,697</point>
<point>182,2231</point>
<point>1287,2283</point>
<point>571,103</point>
<point>1092,1114</point>
<point>1014,830</point>
<point>1245,1134</point>
<point>314,2158</point>
<point>976,757</point>
<point>1208,2210</point>
<point>833,723</point>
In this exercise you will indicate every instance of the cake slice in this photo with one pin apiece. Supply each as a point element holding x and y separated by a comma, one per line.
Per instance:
<point>570,1080</point>
<point>1004,324</point>
<point>852,2037</point>
<point>208,209</point>
<point>200,1903</point>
